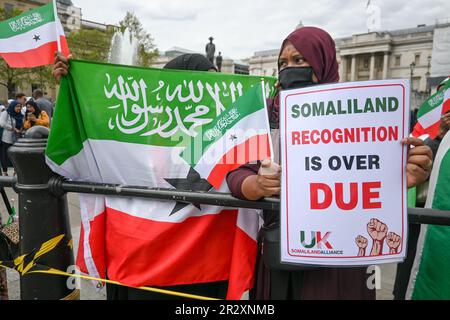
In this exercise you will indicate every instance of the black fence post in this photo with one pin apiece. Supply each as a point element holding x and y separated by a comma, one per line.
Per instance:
<point>43,216</point>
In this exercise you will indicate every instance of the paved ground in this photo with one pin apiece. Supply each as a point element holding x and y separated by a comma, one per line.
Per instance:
<point>88,292</point>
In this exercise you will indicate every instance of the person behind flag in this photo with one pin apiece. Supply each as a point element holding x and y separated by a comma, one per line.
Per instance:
<point>404,268</point>
<point>218,289</point>
<point>194,61</point>
<point>307,58</point>
<point>42,102</point>
<point>428,277</point>
<point>35,116</point>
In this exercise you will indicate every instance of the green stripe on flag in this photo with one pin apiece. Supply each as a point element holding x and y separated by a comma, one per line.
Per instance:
<point>146,106</point>
<point>27,21</point>
<point>433,278</point>
<point>67,124</point>
<point>412,197</point>
<point>435,101</point>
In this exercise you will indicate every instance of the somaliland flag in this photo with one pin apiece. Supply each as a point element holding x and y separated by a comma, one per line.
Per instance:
<point>430,276</point>
<point>134,126</point>
<point>30,39</point>
<point>430,113</point>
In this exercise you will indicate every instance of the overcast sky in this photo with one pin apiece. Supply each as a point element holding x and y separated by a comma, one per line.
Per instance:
<point>241,27</point>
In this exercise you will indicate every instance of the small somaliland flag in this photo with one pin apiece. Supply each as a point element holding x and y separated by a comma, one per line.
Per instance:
<point>30,39</point>
<point>430,113</point>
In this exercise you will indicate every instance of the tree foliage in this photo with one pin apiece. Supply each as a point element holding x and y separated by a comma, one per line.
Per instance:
<point>147,52</point>
<point>92,45</point>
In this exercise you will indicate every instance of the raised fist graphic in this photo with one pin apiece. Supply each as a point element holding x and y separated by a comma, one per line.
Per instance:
<point>393,241</point>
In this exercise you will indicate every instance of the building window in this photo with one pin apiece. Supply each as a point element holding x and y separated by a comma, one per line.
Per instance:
<point>366,63</point>
<point>416,83</point>
<point>397,61</point>
<point>379,62</point>
<point>417,59</point>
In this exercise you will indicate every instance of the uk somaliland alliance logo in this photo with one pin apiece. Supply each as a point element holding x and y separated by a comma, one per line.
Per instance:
<point>316,240</point>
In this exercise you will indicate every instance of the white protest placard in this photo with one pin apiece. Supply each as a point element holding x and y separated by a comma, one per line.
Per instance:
<point>344,187</point>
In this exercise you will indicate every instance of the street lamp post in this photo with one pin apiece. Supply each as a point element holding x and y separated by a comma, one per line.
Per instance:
<point>411,67</point>
<point>428,74</point>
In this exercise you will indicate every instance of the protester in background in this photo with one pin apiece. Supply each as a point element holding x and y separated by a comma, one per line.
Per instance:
<point>43,103</point>
<point>12,123</point>
<point>307,58</point>
<point>35,116</point>
<point>21,98</point>
<point>404,269</point>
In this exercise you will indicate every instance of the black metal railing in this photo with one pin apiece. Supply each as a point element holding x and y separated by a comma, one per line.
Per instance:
<point>43,209</point>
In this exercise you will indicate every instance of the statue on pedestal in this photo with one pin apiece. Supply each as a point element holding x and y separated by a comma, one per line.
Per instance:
<point>210,50</point>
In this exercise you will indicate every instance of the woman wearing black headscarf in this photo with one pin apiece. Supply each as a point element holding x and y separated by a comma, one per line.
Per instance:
<point>12,123</point>
<point>307,57</point>
<point>194,61</point>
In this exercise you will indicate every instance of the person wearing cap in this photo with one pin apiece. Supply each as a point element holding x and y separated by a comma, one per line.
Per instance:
<point>43,103</point>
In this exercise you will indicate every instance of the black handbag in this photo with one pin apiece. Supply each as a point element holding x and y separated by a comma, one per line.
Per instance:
<point>9,242</point>
<point>272,253</point>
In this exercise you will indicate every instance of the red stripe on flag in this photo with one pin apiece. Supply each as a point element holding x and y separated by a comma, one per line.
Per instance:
<point>242,265</point>
<point>253,149</point>
<point>432,131</point>
<point>418,130</point>
<point>43,55</point>
<point>96,243</point>
<point>142,252</point>
<point>446,106</point>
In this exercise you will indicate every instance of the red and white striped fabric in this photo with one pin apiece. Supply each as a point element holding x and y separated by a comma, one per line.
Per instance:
<point>430,113</point>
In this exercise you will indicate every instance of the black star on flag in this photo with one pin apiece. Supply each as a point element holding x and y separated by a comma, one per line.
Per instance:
<point>193,181</point>
<point>233,137</point>
<point>37,38</point>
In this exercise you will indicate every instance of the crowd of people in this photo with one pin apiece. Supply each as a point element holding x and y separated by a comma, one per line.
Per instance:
<point>17,116</point>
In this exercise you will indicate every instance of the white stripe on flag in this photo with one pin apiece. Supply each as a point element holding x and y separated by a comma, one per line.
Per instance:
<point>90,206</point>
<point>430,118</point>
<point>252,125</point>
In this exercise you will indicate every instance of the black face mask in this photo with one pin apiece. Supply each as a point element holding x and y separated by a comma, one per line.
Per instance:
<point>296,77</point>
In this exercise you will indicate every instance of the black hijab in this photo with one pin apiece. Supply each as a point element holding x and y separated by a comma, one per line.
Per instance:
<point>17,116</point>
<point>37,110</point>
<point>194,61</point>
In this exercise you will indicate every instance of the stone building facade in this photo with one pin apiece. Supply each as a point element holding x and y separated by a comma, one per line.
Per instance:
<point>397,54</point>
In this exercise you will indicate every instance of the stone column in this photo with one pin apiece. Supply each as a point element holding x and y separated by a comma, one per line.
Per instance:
<point>343,68</point>
<point>372,66</point>
<point>353,76</point>
<point>385,65</point>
